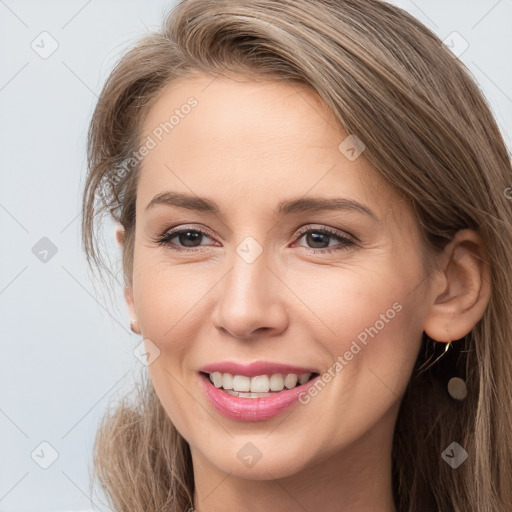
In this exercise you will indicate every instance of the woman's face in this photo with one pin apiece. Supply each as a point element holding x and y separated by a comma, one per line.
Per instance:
<point>278,277</point>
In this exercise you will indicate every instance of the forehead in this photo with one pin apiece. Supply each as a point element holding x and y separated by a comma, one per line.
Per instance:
<point>243,139</point>
<point>229,111</point>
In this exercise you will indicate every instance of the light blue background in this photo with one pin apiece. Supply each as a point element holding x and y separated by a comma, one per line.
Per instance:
<point>66,349</point>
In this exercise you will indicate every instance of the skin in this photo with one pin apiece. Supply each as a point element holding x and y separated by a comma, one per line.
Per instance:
<point>247,146</point>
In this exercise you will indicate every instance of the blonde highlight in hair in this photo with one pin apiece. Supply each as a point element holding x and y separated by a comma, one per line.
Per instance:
<point>427,130</point>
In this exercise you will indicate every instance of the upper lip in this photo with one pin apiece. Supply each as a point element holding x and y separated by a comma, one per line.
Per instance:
<point>255,368</point>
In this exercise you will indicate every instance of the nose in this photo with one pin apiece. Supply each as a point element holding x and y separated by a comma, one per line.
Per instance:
<point>251,300</point>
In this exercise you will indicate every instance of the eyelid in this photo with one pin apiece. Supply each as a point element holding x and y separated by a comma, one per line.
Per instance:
<point>321,227</point>
<point>188,227</point>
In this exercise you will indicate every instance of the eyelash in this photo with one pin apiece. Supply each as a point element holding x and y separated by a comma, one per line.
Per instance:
<point>165,239</point>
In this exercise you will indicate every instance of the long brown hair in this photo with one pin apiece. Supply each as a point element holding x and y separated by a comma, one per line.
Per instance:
<point>427,130</point>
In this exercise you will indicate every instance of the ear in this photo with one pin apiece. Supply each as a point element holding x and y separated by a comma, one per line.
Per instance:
<point>461,293</point>
<point>128,290</point>
<point>128,297</point>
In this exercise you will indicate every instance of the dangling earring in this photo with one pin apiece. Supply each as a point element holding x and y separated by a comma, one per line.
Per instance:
<point>135,327</point>
<point>457,388</point>
<point>422,368</point>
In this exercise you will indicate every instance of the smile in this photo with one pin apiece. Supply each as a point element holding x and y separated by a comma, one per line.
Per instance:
<point>243,402</point>
<point>259,385</point>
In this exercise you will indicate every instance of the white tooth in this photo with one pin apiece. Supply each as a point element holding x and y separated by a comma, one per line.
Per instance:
<point>227,381</point>
<point>241,383</point>
<point>304,378</point>
<point>216,378</point>
<point>259,384</point>
<point>276,382</point>
<point>290,380</point>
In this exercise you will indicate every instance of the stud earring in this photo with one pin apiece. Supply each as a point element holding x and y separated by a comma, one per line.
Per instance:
<point>135,327</point>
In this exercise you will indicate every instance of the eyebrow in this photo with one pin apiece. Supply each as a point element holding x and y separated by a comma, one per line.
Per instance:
<point>304,204</point>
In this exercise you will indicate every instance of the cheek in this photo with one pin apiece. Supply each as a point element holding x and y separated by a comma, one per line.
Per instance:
<point>371,325</point>
<point>170,306</point>
<point>169,301</point>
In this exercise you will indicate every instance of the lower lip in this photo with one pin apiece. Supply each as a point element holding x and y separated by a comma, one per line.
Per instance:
<point>252,409</point>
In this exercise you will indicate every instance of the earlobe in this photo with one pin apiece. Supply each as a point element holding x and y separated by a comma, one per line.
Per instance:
<point>461,297</point>
<point>134,323</point>
<point>119,235</point>
<point>135,327</point>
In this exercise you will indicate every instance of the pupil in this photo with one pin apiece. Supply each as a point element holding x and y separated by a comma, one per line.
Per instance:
<point>192,236</point>
<point>315,238</point>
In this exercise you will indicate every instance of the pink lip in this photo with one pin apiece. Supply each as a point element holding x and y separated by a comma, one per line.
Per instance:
<point>253,409</point>
<point>256,368</point>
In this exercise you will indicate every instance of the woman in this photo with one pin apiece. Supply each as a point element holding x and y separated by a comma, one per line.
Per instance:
<point>316,240</point>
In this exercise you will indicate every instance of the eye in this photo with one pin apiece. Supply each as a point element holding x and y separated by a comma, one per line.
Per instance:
<point>188,238</point>
<point>320,239</point>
